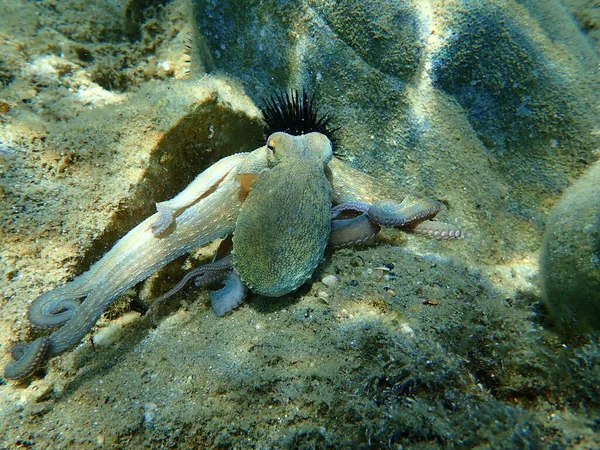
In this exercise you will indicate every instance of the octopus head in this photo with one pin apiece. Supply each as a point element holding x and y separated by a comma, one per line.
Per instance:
<point>312,146</point>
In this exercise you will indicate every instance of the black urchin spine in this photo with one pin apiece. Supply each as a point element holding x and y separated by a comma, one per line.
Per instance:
<point>296,114</point>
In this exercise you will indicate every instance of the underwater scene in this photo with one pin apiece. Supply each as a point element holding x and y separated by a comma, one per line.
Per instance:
<point>300,224</point>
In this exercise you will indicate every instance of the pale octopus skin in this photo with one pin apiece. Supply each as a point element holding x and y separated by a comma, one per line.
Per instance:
<point>280,202</point>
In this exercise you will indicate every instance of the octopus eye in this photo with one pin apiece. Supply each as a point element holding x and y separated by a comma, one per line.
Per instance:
<point>274,142</point>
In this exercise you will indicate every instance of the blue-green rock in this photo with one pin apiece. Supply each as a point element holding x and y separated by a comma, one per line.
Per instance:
<point>570,261</point>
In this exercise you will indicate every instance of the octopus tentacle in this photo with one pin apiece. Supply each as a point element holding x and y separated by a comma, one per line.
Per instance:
<point>28,358</point>
<point>140,253</point>
<point>53,308</point>
<point>438,230</point>
<point>391,213</point>
<point>204,275</point>
<point>352,231</point>
<point>230,296</point>
<point>132,259</point>
<point>411,214</point>
<point>357,189</point>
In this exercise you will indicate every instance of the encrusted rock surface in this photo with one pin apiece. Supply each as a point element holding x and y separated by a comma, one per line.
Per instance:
<point>570,260</point>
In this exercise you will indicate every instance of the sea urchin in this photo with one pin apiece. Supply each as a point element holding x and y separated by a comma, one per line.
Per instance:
<point>296,114</point>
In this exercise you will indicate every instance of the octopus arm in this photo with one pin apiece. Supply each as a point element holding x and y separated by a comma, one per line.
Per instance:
<point>132,259</point>
<point>384,204</point>
<point>136,256</point>
<point>352,185</point>
<point>202,185</point>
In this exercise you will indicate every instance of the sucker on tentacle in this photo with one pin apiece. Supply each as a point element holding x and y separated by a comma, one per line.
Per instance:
<point>438,230</point>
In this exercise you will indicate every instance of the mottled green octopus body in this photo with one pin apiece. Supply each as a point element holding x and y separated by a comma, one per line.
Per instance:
<point>280,225</point>
<point>285,222</point>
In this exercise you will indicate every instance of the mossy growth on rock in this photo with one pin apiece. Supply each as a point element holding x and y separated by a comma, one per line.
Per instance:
<point>570,261</point>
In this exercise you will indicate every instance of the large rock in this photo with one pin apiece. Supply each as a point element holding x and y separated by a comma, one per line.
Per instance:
<point>487,105</point>
<point>571,257</point>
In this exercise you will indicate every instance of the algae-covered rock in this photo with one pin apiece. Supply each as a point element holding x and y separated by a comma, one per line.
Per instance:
<point>426,91</point>
<point>570,263</point>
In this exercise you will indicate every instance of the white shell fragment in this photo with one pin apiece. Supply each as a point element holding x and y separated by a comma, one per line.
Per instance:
<point>329,280</point>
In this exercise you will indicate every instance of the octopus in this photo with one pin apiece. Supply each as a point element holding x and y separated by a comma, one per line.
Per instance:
<point>276,208</point>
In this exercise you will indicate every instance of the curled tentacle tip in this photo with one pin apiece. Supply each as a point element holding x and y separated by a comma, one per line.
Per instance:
<point>28,359</point>
<point>50,311</point>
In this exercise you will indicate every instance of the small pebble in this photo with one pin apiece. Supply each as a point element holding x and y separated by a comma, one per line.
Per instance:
<point>107,335</point>
<point>329,280</point>
<point>406,329</point>
<point>354,283</point>
<point>149,410</point>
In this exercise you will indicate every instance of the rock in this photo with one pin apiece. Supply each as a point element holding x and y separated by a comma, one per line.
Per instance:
<point>156,138</point>
<point>570,260</point>
<point>425,91</point>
